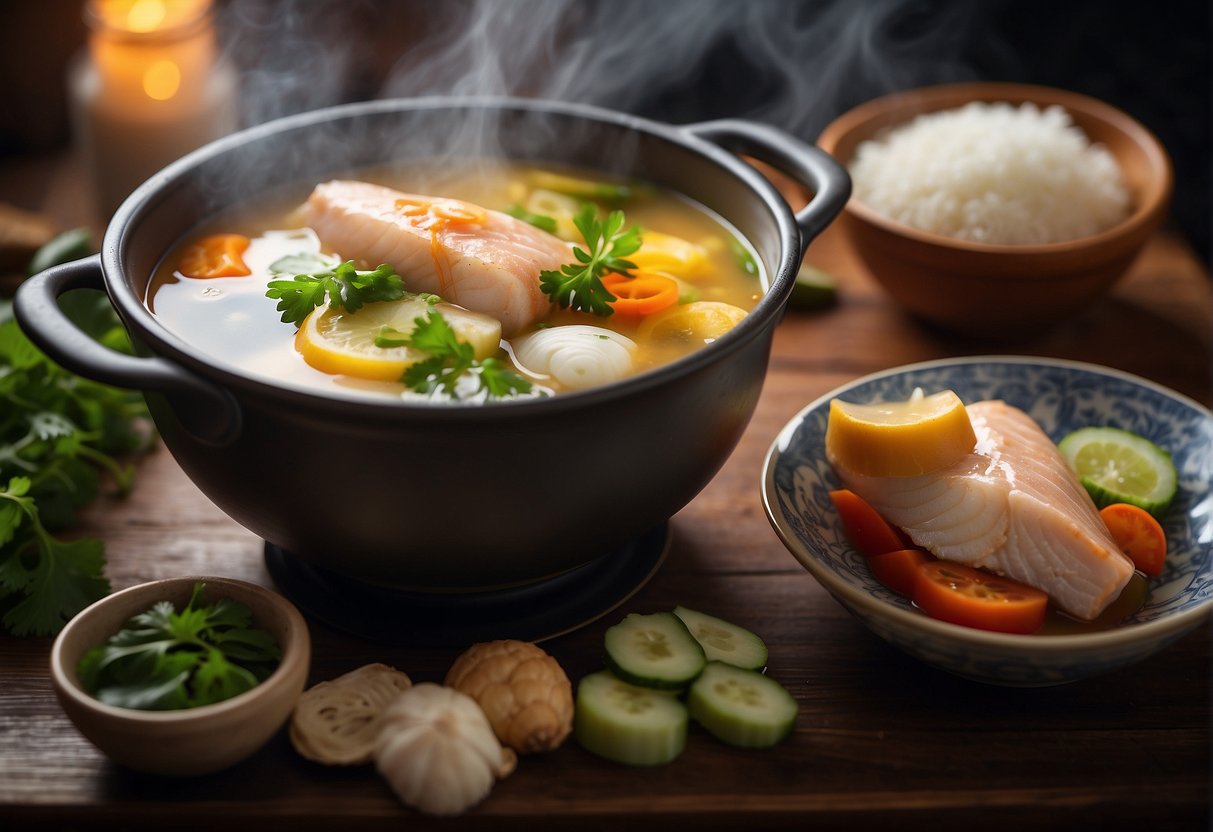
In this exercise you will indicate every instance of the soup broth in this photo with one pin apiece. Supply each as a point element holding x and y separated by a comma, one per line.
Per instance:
<point>694,278</point>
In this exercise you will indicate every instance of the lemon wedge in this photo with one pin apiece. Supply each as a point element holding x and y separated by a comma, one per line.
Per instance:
<point>343,343</point>
<point>899,439</point>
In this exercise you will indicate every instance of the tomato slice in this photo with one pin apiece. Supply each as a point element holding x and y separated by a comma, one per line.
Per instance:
<point>973,598</point>
<point>1138,535</point>
<point>868,532</point>
<point>898,569</point>
<point>220,255</point>
<point>643,294</point>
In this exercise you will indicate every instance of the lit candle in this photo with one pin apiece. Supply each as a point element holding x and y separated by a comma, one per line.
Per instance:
<point>148,90</point>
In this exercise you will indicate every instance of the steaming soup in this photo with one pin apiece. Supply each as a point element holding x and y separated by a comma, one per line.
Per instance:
<point>512,282</point>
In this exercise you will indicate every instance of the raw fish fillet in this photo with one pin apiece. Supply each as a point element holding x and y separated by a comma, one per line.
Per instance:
<point>1014,507</point>
<point>480,259</point>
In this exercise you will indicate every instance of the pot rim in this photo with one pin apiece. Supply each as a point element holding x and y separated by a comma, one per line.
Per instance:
<point>166,343</point>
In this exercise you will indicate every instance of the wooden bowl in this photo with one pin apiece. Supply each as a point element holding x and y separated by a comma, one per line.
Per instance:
<point>1002,290</point>
<point>195,740</point>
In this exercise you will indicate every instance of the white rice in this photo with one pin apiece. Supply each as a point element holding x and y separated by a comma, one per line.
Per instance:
<point>992,173</point>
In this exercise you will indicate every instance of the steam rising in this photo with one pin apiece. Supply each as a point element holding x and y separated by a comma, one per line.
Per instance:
<point>791,64</point>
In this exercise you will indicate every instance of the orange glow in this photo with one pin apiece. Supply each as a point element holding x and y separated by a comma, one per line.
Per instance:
<point>146,16</point>
<point>161,80</point>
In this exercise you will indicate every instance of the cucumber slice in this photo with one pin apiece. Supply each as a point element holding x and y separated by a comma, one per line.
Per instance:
<point>628,724</point>
<point>813,289</point>
<point>654,651</point>
<point>741,707</point>
<point>1119,466</point>
<point>724,642</point>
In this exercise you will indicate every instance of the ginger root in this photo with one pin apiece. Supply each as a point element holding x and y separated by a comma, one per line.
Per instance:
<point>523,691</point>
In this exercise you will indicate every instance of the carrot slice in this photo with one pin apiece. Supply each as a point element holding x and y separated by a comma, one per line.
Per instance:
<point>868,532</point>
<point>220,255</point>
<point>1138,535</point>
<point>973,598</point>
<point>641,295</point>
<point>898,569</point>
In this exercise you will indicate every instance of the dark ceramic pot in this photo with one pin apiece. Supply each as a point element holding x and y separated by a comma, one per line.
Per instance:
<point>435,497</point>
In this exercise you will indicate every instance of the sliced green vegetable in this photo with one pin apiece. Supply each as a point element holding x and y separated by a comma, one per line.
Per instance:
<point>745,258</point>
<point>628,724</point>
<point>540,221</point>
<point>741,707</point>
<point>814,289</point>
<point>654,651</point>
<point>1119,466</point>
<point>724,642</point>
<point>582,188</point>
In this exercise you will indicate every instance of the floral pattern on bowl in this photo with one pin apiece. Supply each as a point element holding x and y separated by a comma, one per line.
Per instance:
<point>1062,396</point>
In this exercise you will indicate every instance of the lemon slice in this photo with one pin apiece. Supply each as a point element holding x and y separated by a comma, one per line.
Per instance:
<point>698,322</point>
<point>1118,466</point>
<point>343,343</point>
<point>899,439</point>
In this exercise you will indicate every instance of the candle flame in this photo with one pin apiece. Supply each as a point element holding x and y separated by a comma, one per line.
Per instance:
<point>146,16</point>
<point>161,80</point>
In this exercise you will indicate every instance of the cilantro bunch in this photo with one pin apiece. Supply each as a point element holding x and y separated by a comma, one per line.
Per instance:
<point>59,434</point>
<point>579,285</point>
<point>167,660</point>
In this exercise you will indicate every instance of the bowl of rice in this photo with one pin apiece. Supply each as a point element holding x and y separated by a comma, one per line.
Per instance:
<point>997,209</point>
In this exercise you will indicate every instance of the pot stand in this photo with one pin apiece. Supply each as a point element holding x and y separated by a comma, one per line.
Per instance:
<point>532,612</point>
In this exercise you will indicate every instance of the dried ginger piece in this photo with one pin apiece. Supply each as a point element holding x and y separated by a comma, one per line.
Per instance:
<point>523,691</point>
<point>335,722</point>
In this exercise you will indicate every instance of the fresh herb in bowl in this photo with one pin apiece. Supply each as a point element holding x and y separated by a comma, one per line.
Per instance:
<point>169,660</point>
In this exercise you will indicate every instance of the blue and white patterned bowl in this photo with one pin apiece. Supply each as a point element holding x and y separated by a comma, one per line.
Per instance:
<point>1062,396</point>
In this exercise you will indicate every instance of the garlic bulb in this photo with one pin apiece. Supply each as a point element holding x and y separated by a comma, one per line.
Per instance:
<point>576,356</point>
<point>438,752</point>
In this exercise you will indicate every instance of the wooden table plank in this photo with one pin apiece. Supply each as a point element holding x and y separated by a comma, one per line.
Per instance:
<point>881,739</point>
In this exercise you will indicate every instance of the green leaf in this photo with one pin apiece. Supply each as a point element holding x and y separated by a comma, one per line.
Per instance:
<point>343,286</point>
<point>64,580</point>
<point>164,658</point>
<point>450,360</point>
<point>580,286</point>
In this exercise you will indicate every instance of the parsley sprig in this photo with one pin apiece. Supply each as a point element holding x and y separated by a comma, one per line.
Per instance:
<point>579,285</point>
<point>59,434</point>
<point>167,660</point>
<point>450,359</point>
<point>343,286</point>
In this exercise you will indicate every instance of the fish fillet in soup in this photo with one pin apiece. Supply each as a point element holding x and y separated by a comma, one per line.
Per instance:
<point>1011,506</point>
<point>475,257</point>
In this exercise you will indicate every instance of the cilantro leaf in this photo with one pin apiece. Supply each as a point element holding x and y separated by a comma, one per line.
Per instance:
<point>450,360</point>
<point>342,286</point>
<point>166,660</point>
<point>579,285</point>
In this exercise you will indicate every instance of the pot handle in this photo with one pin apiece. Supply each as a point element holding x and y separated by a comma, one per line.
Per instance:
<point>206,411</point>
<point>807,164</point>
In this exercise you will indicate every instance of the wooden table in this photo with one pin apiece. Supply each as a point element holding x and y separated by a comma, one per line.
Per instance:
<point>882,741</point>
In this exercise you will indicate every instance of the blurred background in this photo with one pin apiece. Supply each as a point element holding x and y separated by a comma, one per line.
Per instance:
<point>793,63</point>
